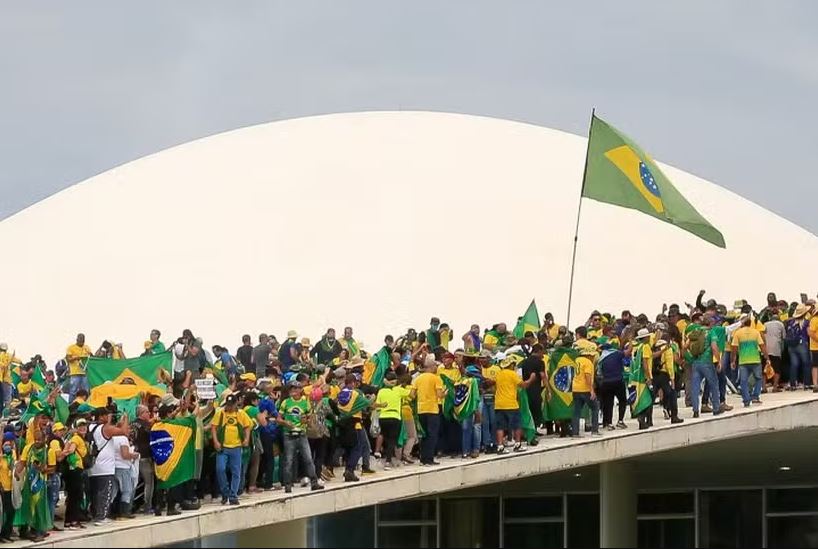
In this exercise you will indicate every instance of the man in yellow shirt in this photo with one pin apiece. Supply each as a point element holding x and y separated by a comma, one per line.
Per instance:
<point>582,389</point>
<point>747,348</point>
<point>663,378</point>
<point>507,406</point>
<point>7,362</point>
<point>75,356</point>
<point>231,429</point>
<point>451,431</point>
<point>428,389</point>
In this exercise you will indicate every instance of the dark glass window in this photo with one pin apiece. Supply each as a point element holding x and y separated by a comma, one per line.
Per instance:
<point>583,520</point>
<point>535,507</point>
<point>667,533</point>
<point>470,522</point>
<point>533,536</point>
<point>332,530</point>
<point>792,500</point>
<point>406,536</point>
<point>665,504</point>
<point>409,510</point>
<point>792,531</point>
<point>730,519</point>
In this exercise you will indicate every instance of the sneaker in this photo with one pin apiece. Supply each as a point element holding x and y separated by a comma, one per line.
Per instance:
<point>695,415</point>
<point>519,448</point>
<point>756,401</point>
<point>706,409</point>
<point>464,456</point>
<point>501,450</point>
<point>349,476</point>
<point>377,455</point>
<point>316,486</point>
<point>725,407</point>
<point>432,463</point>
<point>367,472</point>
<point>407,461</point>
<point>621,425</point>
<point>102,522</point>
<point>387,466</point>
<point>474,455</point>
<point>610,428</point>
<point>305,482</point>
<point>676,420</point>
<point>288,489</point>
<point>234,502</point>
<point>746,404</point>
<point>224,500</point>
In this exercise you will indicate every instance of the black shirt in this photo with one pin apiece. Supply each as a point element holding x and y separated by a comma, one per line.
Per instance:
<point>244,355</point>
<point>142,438</point>
<point>324,352</point>
<point>533,364</point>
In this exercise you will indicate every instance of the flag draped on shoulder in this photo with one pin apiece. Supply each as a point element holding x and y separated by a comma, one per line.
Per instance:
<point>173,446</point>
<point>619,172</point>
<point>526,419</point>
<point>462,397</point>
<point>351,401</point>
<point>127,378</point>
<point>529,322</point>
<point>639,395</point>
<point>562,365</point>
<point>381,361</point>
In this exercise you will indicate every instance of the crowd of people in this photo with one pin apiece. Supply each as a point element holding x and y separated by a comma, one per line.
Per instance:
<point>292,413</point>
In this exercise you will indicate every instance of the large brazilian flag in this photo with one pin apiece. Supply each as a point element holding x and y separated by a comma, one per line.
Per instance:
<point>173,445</point>
<point>127,378</point>
<point>562,365</point>
<point>619,172</point>
<point>462,398</point>
<point>351,401</point>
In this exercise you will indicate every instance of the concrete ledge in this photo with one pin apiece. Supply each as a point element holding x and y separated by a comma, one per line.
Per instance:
<point>780,412</point>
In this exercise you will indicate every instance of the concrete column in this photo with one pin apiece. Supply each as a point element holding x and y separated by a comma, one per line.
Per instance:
<point>284,534</point>
<point>617,505</point>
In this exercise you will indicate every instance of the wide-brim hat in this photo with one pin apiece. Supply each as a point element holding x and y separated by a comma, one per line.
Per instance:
<point>169,400</point>
<point>355,362</point>
<point>801,311</point>
<point>643,333</point>
<point>292,334</point>
<point>305,342</point>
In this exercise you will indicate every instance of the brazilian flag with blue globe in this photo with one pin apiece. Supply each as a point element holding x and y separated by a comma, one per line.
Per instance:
<point>619,172</point>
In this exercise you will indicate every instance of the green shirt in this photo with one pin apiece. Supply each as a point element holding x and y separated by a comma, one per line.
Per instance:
<point>158,347</point>
<point>295,411</point>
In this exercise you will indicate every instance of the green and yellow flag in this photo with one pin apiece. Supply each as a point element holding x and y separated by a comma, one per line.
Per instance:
<point>173,445</point>
<point>462,398</point>
<point>351,401</point>
<point>529,322</point>
<point>639,395</point>
<point>619,172</point>
<point>561,368</point>
<point>127,378</point>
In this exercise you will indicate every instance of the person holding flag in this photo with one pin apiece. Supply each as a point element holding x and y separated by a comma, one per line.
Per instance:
<point>390,402</point>
<point>640,390</point>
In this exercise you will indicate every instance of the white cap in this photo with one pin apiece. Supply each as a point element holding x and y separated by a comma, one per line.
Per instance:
<point>4,346</point>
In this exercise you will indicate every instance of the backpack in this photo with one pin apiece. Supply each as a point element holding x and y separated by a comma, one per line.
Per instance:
<point>697,342</point>
<point>93,451</point>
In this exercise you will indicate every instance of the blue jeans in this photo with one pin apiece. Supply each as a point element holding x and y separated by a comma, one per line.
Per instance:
<point>75,383</point>
<point>471,435</point>
<point>489,425</point>
<point>229,457</point>
<point>53,486</point>
<point>580,400</point>
<point>126,487</point>
<point>799,360</point>
<point>707,372</point>
<point>745,370</point>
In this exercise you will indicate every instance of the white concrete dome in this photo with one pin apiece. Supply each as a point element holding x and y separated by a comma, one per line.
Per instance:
<point>375,220</point>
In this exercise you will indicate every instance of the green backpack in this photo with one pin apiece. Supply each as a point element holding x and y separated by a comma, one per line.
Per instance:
<point>697,342</point>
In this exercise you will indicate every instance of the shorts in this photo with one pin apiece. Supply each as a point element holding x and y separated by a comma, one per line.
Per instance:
<point>814,356</point>
<point>507,420</point>
<point>775,362</point>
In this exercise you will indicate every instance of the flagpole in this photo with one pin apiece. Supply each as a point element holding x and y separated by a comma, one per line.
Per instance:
<point>576,231</point>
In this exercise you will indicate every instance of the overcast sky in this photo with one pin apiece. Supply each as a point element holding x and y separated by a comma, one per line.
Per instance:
<point>725,90</point>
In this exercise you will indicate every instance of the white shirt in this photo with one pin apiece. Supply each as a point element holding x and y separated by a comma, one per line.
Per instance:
<point>118,442</point>
<point>105,463</point>
<point>179,363</point>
